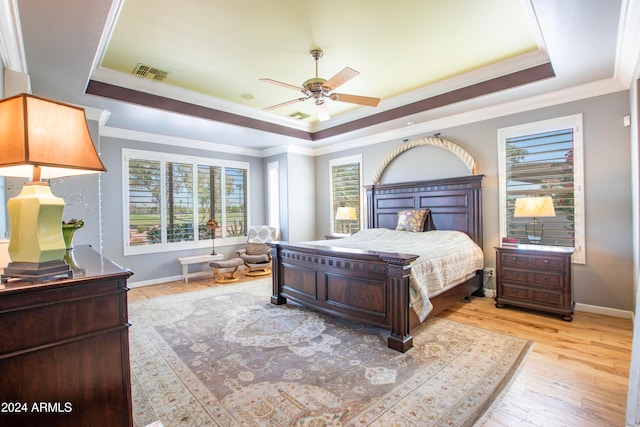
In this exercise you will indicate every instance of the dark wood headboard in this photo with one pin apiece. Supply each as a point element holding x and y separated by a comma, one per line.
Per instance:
<point>455,203</point>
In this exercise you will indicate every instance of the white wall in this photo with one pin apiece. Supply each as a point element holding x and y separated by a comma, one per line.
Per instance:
<point>301,198</point>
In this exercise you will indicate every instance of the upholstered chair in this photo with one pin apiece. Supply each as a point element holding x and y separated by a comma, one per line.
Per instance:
<point>256,255</point>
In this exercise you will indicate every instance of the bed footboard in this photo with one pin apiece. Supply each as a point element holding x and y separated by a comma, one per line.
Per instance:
<point>361,286</point>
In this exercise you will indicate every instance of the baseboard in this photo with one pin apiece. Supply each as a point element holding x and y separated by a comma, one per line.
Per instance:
<point>607,311</point>
<point>489,293</point>
<point>153,281</point>
<point>614,312</point>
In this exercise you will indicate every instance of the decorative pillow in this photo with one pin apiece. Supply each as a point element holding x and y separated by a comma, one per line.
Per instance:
<point>412,220</point>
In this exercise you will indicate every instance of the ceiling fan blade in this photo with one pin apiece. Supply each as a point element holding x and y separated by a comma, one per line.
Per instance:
<point>342,77</point>
<point>322,111</point>
<point>287,85</point>
<point>293,101</point>
<point>355,99</point>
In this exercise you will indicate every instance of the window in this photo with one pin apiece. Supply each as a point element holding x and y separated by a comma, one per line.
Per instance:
<point>544,159</point>
<point>273,194</point>
<point>346,191</point>
<point>170,198</point>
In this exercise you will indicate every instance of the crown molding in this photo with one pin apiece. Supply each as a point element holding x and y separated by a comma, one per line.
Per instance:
<point>177,142</point>
<point>589,90</point>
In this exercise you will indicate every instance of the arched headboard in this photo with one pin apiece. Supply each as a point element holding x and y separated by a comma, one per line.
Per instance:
<point>445,144</point>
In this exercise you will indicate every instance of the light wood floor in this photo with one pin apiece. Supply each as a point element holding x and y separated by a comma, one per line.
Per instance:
<point>576,374</point>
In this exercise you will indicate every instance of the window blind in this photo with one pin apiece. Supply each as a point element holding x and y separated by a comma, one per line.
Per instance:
<point>542,164</point>
<point>144,202</point>
<point>236,201</point>
<point>179,202</point>
<point>345,180</point>
<point>209,199</point>
<point>170,199</point>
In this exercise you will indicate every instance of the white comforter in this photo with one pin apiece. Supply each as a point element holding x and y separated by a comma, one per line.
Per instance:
<point>445,258</point>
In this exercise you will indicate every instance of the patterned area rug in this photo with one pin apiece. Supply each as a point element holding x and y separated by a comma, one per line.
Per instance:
<point>226,356</point>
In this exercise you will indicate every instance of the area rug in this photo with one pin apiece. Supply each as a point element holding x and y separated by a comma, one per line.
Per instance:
<point>226,356</point>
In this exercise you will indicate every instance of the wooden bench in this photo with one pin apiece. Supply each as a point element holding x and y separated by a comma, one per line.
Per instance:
<point>197,259</point>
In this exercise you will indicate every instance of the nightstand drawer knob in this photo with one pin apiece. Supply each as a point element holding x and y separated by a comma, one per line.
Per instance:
<point>514,274</point>
<point>515,291</point>
<point>546,261</point>
<point>513,258</point>
<point>546,296</point>
<point>546,278</point>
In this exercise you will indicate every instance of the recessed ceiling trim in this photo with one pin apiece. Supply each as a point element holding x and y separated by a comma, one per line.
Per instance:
<point>497,84</point>
<point>508,81</point>
<point>107,90</point>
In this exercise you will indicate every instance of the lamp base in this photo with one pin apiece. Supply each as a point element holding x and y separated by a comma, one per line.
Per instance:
<point>535,231</point>
<point>36,271</point>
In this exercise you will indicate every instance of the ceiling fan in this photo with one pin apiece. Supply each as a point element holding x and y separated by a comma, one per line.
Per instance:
<point>319,89</point>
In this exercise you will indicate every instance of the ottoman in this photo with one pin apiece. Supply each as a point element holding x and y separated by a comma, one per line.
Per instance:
<point>226,271</point>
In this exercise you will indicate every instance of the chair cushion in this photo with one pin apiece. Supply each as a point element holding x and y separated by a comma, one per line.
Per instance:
<point>257,249</point>
<point>256,259</point>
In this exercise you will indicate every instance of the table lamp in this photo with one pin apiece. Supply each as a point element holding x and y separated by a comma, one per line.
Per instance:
<point>345,213</point>
<point>534,207</point>
<point>41,139</point>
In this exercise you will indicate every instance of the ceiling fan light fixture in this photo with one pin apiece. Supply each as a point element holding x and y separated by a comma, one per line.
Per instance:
<point>319,89</point>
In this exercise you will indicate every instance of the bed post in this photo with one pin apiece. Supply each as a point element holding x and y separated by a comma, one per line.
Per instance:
<point>276,298</point>
<point>398,274</point>
<point>371,217</point>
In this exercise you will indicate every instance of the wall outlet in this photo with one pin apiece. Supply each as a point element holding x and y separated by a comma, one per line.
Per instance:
<point>489,272</point>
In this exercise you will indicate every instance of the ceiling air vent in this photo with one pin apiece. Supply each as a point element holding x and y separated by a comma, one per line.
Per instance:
<point>298,115</point>
<point>151,73</point>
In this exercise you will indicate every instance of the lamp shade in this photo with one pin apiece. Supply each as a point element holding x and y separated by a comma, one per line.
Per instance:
<point>41,139</point>
<point>48,135</point>
<point>346,213</point>
<point>534,207</point>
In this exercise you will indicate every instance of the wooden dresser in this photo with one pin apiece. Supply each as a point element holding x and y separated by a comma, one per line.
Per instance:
<point>64,348</point>
<point>535,277</point>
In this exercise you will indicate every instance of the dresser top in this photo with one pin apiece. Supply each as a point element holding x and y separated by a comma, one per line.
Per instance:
<point>86,264</point>
<point>537,248</point>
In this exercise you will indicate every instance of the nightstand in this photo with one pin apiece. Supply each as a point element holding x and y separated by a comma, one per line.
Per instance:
<point>536,277</point>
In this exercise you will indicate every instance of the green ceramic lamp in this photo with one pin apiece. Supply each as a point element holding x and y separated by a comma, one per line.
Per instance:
<point>41,139</point>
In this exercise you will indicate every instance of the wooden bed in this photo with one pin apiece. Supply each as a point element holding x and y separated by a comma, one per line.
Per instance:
<point>373,287</point>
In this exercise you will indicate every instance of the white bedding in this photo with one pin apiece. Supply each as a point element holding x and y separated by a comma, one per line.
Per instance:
<point>445,258</point>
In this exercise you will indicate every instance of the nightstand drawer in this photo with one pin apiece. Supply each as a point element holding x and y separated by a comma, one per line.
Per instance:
<point>512,274</point>
<point>551,262</point>
<point>528,261</point>
<point>510,290</point>
<point>514,260</point>
<point>548,297</point>
<point>546,279</point>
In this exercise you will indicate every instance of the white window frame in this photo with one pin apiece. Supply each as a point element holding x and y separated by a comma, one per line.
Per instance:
<point>337,162</point>
<point>568,122</point>
<point>128,154</point>
<point>273,194</point>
